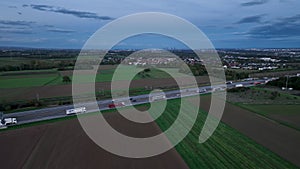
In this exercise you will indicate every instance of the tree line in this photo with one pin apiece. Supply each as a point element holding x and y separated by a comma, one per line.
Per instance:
<point>293,82</point>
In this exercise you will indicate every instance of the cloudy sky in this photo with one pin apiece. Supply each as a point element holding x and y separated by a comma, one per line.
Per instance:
<point>227,23</point>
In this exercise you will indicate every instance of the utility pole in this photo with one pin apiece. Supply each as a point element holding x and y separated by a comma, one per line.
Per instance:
<point>37,97</point>
<point>287,80</point>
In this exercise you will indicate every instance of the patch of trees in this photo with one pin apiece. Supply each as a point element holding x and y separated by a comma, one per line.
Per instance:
<point>40,53</point>
<point>144,73</point>
<point>38,65</point>
<point>234,75</point>
<point>195,69</point>
<point>274,95</point>
<point>4,106</point>
<point>66,79</point>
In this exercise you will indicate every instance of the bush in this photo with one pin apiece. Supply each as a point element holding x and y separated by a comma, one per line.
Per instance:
<point>239,89</point>
<point>66,79</point>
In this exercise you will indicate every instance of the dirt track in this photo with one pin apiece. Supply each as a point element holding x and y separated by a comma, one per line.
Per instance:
<point>64,145</point>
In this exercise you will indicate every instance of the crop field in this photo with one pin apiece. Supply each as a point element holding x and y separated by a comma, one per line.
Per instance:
<point>64,144</point>
<point>26,85</point>
<point>27,82</point>
<point>286,114</point>
<point>227,148</point>
<point>13,61</point>
<point>65,90</point>
<point>28,79</point>
<point>276,137</point>
<point>276,105</point>
<point>53,77</point>
<point>106,75</point>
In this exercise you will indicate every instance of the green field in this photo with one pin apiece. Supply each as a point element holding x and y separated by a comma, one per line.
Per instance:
<point>227,148</point>
<point>275,109</point>
<point>28,78</point>
<point>256,95</point>
<point>125,72</point>
<point>37,78</point>
<point>272,104</point>
<point>286,114</point>
<point>13,61</point>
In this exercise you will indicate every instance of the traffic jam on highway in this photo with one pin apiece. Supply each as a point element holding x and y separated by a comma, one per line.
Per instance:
<point>63,111</point>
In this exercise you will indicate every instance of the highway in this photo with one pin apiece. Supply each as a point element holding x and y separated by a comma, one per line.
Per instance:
<point>60,111</point>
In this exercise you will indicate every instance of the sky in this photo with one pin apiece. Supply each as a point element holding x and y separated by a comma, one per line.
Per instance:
<point>227,23</point>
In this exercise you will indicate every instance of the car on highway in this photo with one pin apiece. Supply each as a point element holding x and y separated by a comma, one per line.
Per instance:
<point>157,97</point>
<point>202,90</point>
<point>76,110</point>
<point>132,99</point>
<point>257,83</point>
<point>239,85</point>
<point>114,105</point>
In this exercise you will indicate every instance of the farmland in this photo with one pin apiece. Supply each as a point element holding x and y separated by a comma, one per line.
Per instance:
<point>271,103</point>
<point>21,89</point>
<point>37,78</point>
<point>227,148</point>
<point>64,144</point>
<point>263,131</point>
<point>29,79</point>
<point>286,114</point>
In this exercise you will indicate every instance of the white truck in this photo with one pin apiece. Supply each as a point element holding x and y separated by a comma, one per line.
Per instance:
<point>157,97</point>
<point>202,90</point>
<point>239,85</point>
<point>76,110</point>
<point>8,121</point>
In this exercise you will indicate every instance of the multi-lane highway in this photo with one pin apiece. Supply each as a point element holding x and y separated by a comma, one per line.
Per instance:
<point>60,111</point>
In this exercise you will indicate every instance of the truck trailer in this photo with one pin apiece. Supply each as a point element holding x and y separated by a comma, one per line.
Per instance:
<point>76,110</point>
<point>8,121</point>
<point>157,98</point>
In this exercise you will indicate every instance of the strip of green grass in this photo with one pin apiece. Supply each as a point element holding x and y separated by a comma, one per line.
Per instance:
<point>33,78</point>
<point>25,82</point>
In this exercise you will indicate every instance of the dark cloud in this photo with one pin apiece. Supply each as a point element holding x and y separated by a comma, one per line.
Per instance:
<point>254,2</point>
<point>49,26</point>
<point>16,23</point>
<point>4,27</point>
<point>15,31</point>
<point>251,19</point>
<point>16,27</point>
<point>12,7</point>
<point>229,27</point>
<point>80,14</point>
<point>284,27</point>
<point>58,30</point>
